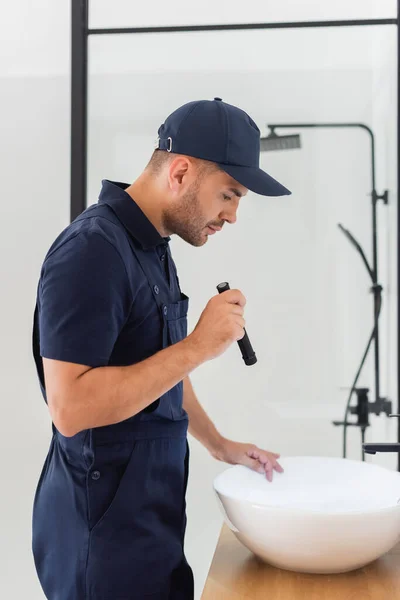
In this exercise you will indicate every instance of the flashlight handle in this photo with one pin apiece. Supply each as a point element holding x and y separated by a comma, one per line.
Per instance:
<point>246,349</point>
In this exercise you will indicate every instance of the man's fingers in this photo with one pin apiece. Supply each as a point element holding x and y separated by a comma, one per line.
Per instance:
<point>263,456</point>
<point>254,464</point>
<point>268,460</point>
<point>235,297</point>
<point>269,470</point>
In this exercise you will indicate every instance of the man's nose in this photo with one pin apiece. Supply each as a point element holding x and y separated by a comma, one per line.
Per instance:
<point>229,216</point>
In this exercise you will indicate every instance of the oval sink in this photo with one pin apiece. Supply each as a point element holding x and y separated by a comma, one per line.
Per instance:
<point>322,515</point>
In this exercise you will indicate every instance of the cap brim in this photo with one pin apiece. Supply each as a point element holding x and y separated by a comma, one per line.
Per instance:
<point>256,180</point>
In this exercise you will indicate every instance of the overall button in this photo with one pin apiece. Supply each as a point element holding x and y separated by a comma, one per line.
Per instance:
<point>96,475</point>
<point>156,289</point>
<point>163,257</point>
<point>165,309</point>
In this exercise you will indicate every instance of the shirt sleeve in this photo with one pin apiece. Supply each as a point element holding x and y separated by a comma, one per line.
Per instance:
<point>84,300</point>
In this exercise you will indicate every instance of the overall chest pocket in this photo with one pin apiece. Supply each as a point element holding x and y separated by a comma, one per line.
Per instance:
<point>176,319</point>
<point>170,406</point>
<point>176,324</point>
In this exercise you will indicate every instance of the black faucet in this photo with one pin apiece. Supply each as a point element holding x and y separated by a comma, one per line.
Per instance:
<point>373,448</point>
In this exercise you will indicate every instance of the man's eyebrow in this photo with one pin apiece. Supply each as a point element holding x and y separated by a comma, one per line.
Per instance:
<point>236,192</point>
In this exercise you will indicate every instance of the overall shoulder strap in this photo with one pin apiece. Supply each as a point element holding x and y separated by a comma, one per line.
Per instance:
<point>99,211</point>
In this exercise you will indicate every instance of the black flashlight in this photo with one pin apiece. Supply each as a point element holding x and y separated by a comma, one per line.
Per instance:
<point>246,349</point>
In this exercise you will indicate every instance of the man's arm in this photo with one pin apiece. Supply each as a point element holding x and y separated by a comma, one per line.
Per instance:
<point>223,449</point>
<point>81,397</point>
<point>200,425</point>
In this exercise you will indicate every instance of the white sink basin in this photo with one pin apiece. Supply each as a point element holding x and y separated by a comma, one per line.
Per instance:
<point>322,515</point>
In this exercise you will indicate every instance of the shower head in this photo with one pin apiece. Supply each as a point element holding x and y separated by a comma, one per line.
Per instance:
<point>279,142</point>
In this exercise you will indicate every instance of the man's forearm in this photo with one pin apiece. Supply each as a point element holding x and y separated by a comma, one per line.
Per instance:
<point>200,425</point>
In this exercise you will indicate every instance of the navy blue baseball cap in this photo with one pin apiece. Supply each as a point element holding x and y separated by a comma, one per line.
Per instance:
<point>221,133</point>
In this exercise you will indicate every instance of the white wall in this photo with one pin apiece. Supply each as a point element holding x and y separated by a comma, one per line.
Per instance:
<point>385,125</point>
<point>309,311</point>
<point>34,153</point>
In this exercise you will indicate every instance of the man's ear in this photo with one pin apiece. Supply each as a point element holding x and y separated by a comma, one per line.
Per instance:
<point>178,171</point>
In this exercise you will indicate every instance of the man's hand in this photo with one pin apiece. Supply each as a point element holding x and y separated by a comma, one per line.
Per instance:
<point>235,453</point>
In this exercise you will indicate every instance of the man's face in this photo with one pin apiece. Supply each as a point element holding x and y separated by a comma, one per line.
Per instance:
<point>207,203</point>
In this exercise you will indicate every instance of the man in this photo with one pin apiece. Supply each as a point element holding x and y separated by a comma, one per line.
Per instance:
<point>114,358</point>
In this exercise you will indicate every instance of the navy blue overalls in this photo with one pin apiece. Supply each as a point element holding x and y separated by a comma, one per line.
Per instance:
<point>109,514</point>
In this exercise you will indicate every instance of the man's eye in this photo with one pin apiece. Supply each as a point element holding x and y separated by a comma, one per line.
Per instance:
<point>226,197</point>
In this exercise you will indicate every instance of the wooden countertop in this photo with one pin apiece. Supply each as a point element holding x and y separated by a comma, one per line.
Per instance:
<point>236,574</point>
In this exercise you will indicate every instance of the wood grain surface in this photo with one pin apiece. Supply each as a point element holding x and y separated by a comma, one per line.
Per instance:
<point>236,574</point>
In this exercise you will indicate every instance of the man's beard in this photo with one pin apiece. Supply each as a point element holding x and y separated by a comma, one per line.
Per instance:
<point>186,219</point>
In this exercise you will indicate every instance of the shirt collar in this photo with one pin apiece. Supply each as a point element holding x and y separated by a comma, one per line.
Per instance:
<point>130,214</point>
